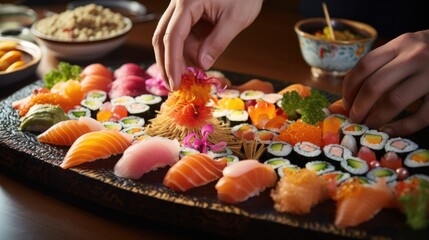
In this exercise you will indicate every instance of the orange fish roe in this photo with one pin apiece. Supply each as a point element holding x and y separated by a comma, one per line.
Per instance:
<point>299,132</point>
<point>347,189</point>
<point>46,98</point>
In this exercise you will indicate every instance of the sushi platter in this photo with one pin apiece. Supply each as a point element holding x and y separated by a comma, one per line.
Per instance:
<point>148,195</point>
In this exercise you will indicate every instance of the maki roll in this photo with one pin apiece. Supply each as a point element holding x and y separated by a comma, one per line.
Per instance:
<point>134,131</point>
<point>279,149</point>
<point>355,165</point>
<point>306,151</point>
<point>228,93</point>
<point>79,112</point>
<point>185,151</point>
<point>132,121</point>
<point>221,153</point>
<point>349,142</point>
<point>97,95</point>
<point>220,113</point>
<point>153,101</point>
<point>400,146</point>
<point>336,153</point>
<point>265,136</point>
<point>244,131</point>
<point>93,105</point>
<point>374,139</point>
<point>337,176</point>
<point>354,129</point>
<point>320,167</point>
<point>281,169</point>
<point>112,125</point>
<point>378,172</point>
<point>230,159</point>
<point>237,117</point>
<point>123,100</point>
<point>272,97</point>
<point>249,95</point>
<point>417,161</point>
<point>138,109</point>
<point>277,162</point>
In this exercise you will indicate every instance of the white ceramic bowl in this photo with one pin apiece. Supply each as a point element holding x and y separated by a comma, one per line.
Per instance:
<point>32,55</point>
<point>333,57</point>
<point>76,50</point>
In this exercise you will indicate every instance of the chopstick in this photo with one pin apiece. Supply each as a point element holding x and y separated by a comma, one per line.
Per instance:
<point>328,21</point>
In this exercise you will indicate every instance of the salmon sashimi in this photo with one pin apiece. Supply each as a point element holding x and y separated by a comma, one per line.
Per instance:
<point>96,82</point>
<point>255,84</point>
<point>193,171</point>
<point>72,89</point>
<point>147,155</point>
<point>298,191</point>
<point>337,107</point>
<point>358,203</point>
<point>96,69</point>
<point>302,90</point>
<point>96,145</point>
<point>244,179</point>
<point>65,133</point>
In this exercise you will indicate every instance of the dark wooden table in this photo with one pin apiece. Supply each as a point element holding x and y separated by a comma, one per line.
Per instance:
<point>28,210</point>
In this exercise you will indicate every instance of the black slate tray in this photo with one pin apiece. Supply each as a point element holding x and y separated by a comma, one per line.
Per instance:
<point>22,155</point>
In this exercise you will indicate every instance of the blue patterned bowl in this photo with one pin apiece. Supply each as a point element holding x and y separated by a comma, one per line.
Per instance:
<point>333,57</point>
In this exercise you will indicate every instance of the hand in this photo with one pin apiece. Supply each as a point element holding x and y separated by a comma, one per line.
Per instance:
<point>386,81</point>
<point>197,31</point>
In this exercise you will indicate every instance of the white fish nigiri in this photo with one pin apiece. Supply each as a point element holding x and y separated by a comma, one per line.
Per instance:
<point>147,155</point>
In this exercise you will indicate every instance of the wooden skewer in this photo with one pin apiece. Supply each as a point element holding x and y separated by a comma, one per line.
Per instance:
<point>328,21</point>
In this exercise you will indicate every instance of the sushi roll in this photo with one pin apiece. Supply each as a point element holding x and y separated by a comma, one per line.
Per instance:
<point>138,109</point>
<point>230,159</point>
<point>350,142</point>
<point>337,176</point>
<point>97,95</point>
<point>336,153</point>
<point>343,119</point>
<point>153,101</point>
<point>277,162</point>
<point>265,136</point>
<point>306,151</point>
<point>93,105</point>
<point>417,161</point>
<point>288,167</point>
<point>228,93</point>
<point>132,121</point>
<point>272,97</point>
<point>354,129</point>
<point>123,100</point>
<point>134,131</point>
<point>78,112</point>
<point>400,146</point>
<point>185,151</point>
<point>374,139</point>
<point>278,149</point>
<point>378,172</point>
<point>355,165</point>
<point>237,117</point>
<point>249,95</point>
<point>244,131</point>
<point>221,153</point>
<point>320,167</point>
<point>220,113</point>
<point>112,125</point>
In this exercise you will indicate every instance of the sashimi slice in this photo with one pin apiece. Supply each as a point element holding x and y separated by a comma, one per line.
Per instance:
<point>193,171</point>
<point>128,86</point>
<point>358,203</point>
<point>255,84</point>
<point>65,133</point>
<point>96,69</point>
<point>298,191</point>
<point>95,82</point>
<point>302,90</point>
<point>147,155</point>
<point>96,145</point>
<point>244,179</point>
<point>337,107</point>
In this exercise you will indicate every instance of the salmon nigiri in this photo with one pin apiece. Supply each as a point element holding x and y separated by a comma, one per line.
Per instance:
<point>298,191</point>
<point>244,179</point>
<point>358,203</point>
<point>66,132</point>
<point>96,145</point>
<point>147,155</point>
<point>193,171</point>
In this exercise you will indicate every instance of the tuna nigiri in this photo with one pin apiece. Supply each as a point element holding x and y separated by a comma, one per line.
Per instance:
<point>128,86</point>
<point>358,203</point>
<point>96,145</point>
<point>244,179</point>
<point>66,132</point>
<point>147,155</point>
<point>298,191</point>
<point>193,171</point>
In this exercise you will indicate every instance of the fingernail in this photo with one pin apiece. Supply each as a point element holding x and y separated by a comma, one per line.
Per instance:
<point>388,130</point>
<point>207,61</point>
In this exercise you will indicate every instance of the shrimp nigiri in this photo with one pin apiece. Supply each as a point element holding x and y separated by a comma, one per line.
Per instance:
<point>66,132</point>
<point>244,179</point>
<point>192,171</point>
<point>96,145</point>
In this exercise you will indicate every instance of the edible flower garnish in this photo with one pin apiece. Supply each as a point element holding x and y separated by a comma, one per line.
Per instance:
<point>202,144</point>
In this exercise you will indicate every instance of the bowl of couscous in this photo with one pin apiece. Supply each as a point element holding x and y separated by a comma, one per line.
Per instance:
<point>84,33</point>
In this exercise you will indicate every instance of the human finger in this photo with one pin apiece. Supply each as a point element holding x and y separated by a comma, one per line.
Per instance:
<point>194,40</point>
<point>411,124</point>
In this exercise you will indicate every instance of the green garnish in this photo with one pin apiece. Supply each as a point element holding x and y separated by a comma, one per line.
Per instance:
<point>309,109</point>
<point>65,71</point>
<point>415,204</point>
